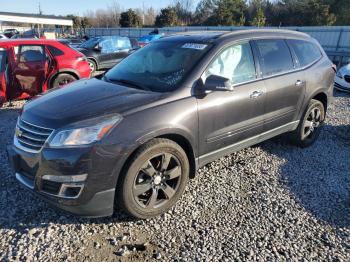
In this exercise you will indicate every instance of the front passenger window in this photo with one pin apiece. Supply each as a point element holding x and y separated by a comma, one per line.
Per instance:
<point>235,63</point>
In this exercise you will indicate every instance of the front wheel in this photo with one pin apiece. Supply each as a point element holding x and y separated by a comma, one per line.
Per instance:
<point>155,179</point>
<point>310,125</point>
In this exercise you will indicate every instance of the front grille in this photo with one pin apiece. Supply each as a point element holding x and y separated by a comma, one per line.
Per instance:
<point>31,137</point>
<point>347,78</point>
<point>50,187</point>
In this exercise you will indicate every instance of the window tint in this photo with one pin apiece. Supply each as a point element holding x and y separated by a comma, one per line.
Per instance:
<point>30,53</point>
<point>55,51</point>
<point>306,52</point>
<point>235,63</point>
<point>275,56</point>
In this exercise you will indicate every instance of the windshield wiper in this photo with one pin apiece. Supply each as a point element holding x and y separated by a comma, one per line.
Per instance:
<point>127,82</point>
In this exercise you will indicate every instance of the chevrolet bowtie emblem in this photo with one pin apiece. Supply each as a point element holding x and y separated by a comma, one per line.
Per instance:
<point>18,132</point>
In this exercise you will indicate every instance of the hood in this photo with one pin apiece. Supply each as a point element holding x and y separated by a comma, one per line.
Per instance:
<point>82,100</point>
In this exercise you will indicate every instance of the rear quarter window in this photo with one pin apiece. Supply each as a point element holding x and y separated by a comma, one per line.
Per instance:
<point>306,52</point>
<point>55,51</point>
<point>275,56</point>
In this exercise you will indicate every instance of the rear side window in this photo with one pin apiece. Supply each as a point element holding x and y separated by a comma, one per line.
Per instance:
<point>306,52</point>
<point>55,51</point>
<point>30,53</point>
<point>275,56</point>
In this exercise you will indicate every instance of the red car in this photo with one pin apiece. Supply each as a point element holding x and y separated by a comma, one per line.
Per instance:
<point>32,66</point>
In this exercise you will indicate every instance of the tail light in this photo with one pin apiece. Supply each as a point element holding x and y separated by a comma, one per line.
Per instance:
<point>81,58</point>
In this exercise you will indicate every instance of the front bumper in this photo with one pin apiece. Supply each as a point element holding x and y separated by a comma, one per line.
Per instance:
<point>92,197</point>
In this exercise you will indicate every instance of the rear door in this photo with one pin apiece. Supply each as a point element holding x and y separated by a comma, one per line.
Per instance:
<point>29,69</point>
<point>285,84</point>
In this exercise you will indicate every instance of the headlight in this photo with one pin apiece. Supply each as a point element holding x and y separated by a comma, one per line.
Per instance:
<point>87,134</point>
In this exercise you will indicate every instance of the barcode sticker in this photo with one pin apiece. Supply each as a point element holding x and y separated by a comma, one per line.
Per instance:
<point>194,46</point>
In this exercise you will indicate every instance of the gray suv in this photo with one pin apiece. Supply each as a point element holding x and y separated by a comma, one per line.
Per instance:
<point>132,138</point>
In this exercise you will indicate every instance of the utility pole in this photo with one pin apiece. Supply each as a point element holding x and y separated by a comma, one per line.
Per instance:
<point>40,11</point>
<point>143,13</point>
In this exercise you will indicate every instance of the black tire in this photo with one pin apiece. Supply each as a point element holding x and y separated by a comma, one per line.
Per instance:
<point>139,176</point>
<point>63,79</point>
<point>93,65</point>
<point>310,125</point>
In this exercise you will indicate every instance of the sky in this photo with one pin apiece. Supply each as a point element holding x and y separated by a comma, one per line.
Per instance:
<point>76,7</point>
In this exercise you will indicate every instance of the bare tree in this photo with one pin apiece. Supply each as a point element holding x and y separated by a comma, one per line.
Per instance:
<point>150,16</point>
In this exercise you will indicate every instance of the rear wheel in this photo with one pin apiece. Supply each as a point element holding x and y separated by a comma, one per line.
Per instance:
<point>93,66</point>
<point>309,127</point>
<point>63,79</point>
<point>155,179</point>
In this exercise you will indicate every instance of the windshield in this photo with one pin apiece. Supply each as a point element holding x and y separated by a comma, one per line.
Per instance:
<point>160,66</point>
<point>91,43</point>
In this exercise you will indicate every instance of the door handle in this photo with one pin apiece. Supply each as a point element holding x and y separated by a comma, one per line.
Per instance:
<point>299,83</point>
<point>256,94</point>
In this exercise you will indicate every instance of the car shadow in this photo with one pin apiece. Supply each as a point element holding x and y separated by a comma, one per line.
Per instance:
<point>318,177</point>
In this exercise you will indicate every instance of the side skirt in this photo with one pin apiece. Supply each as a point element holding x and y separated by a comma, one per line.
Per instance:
<point>207,158</point>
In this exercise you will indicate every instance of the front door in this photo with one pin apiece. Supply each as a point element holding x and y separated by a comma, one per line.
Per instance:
<point>29,70</point>
<point>122,46</point>
<point>229,117</point>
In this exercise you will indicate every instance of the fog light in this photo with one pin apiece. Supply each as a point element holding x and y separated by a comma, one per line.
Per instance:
<point>71,190</point>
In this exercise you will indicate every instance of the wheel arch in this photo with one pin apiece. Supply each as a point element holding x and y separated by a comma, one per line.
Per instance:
<point>322,97</point>
<point>94,60</point>
<point>177,137</point>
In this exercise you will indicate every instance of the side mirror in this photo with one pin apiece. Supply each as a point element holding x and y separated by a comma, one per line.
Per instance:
<point>97,47</point>
<point>215,83</point>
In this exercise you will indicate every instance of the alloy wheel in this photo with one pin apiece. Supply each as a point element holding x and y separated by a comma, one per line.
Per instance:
<point>312,122</point>
<point>157,180</point>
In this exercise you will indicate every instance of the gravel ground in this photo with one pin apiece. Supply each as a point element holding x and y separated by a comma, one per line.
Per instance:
<point>272,201</point>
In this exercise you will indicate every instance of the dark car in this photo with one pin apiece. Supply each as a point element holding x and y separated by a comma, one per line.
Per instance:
<point>133,138</point>
<point>10,32</point>
<point>104,52</point>
<point>71,42</point>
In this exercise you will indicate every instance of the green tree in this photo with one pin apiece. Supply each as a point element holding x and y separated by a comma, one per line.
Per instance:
<point>341,9</point>
<point>229,12</point>
<point>130,19</point>
<point>258,18</point>
<point>167,17</point>
<point>318,13</point>
<point>204,11</point>
<point>76,21</point>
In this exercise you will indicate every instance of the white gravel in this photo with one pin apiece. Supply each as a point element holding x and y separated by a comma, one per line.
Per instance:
<point>272,201</point>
